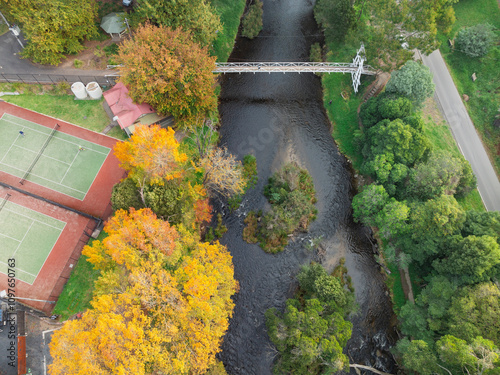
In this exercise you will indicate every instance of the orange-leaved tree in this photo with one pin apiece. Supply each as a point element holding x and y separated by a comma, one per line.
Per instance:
<point>151,156</point>
<point>108,339</point>
<point>170,72</point>
<point>132,236</point>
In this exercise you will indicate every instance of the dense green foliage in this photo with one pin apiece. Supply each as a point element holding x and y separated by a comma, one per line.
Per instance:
<point>54,28</point>
<point>252,22</point>
<point>336,17</point>
<point>194,16</point>
<point>476,41</point>
<point>291,194</point>
<point>413,81</point>
<point>167,201</point>
<point>311,333</point>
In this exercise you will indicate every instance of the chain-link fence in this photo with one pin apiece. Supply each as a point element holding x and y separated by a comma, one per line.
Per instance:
<point>44,79</point>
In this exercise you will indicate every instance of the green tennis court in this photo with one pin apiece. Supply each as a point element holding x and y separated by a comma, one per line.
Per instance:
<point>28,237</point>
<point>49,158</point>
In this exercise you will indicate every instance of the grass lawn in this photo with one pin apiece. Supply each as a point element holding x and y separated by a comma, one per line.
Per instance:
<point>77,292</point>
<point>230,12</point>
<point>483,93</point>
<point>88,114</point>
<point>394,284</point>
<point>441,138</point>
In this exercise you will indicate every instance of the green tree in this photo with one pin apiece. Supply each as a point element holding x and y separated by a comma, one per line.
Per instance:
<point>441,174</point>
<point>388,144</point>
<point>252,22</point>
<point>336,17</point>
<point>476,312</point>
<point>470,259</point>
<point>318,284</point>
<point>418,356</point>
<point>476,41</point>
<point>169,71</point>
<point>309,339</point>
<point>475,358</point>
<point>125,195</point>
<point>54,28</point>
<point>194,16</point>
<point>431,222</point>
<point>384,106</point>
<point>414,81</point>
<point>482,223</point>
<point>368,203</point>
<point>392,220</point>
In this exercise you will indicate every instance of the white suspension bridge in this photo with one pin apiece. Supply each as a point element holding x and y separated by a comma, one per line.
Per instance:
<point>356,68</point>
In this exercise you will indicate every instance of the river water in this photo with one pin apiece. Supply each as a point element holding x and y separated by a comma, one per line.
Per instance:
<point>280,118</point>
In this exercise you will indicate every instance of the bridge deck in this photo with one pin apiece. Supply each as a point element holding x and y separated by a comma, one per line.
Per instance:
<point>291,67</point>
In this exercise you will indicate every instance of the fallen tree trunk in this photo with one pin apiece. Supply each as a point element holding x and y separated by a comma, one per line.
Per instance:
<point>369,368</point>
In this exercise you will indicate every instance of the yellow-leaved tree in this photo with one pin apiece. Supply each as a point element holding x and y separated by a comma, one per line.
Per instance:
<point>177,289</point>
<point>151,156</point>
<point>108,339</point>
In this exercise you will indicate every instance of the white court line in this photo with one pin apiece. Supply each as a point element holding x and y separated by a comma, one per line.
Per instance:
<point>20,270</point>
<point>64,140</point>
<point>25,234</point>
<point>45,156</point>
<point>38,221</point>
<point>7,153</point>
<point>12,238</point>
<point>46,179</point>
<point>70,165</point>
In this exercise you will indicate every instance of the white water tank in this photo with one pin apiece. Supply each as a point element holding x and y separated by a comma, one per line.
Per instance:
<point>94,90</point>
<point>78,88</point>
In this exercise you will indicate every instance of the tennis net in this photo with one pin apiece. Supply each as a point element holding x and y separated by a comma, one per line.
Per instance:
<point>28,171</point>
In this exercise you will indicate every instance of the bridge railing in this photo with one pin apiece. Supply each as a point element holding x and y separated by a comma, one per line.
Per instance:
<point>290,67</point>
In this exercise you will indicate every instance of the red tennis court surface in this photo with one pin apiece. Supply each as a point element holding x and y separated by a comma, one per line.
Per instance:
<point>63,257</point>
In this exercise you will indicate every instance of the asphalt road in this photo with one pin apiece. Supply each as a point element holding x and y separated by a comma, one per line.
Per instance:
<point>11,63</point>
<point>464,131</point>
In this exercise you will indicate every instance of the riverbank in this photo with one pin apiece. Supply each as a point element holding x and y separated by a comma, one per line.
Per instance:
<point>342,105</point>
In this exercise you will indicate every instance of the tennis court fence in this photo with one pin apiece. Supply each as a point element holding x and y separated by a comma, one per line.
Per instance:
<point>50,79</point>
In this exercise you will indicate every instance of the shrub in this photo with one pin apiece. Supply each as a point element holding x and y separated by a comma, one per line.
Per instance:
<point>315,53</point>
<point>61,88</point>
<point>475,41</point>
<point>252,22</point>
<point>78,63</point>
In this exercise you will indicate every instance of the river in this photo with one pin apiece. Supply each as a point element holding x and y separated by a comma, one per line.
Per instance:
<point>280,118</point>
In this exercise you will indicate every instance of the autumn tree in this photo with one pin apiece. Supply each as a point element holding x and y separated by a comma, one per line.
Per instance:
<point>195,16</point>
<point>111,338</point>
<point>54,28</point>
<point>151,156</point>
<point>166,69</point>
<point>181,287</point>
<point>132,236</point>
<point>222,173</point>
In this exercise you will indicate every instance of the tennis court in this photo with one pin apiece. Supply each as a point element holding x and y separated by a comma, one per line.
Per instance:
<point>49,157</point>
<point>28,237</point>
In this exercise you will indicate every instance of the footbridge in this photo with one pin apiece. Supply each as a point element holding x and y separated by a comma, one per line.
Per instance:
<point>356,68</point>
